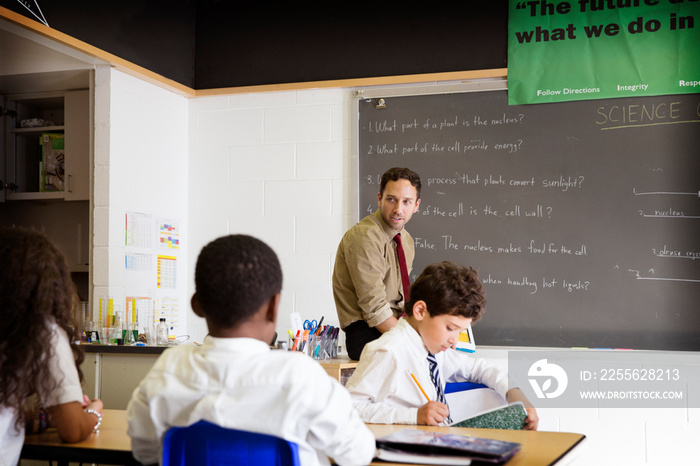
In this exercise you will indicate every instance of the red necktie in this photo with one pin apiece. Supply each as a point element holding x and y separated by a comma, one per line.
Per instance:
<point>402,266</point>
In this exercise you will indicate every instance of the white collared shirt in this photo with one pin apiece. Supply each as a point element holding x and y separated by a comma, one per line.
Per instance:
<point>382,389</point>
<point>240,383</point>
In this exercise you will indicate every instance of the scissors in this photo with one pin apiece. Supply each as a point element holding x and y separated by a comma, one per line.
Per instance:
<point>310,325</point>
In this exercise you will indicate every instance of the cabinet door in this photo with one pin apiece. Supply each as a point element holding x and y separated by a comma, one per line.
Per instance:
<point>78,119</point>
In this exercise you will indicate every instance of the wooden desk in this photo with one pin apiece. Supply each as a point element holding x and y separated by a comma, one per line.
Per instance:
<point>337,367</point>
<point>538,448</point>
<point>113,446</point>
<point>110,445</point>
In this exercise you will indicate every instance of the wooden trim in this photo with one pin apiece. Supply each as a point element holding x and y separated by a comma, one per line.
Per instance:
<point>83,47</point>
<point>166,83</point>
<point>360,82</point>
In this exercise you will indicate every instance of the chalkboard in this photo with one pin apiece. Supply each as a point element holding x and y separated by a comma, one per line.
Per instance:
<point>582,218</point>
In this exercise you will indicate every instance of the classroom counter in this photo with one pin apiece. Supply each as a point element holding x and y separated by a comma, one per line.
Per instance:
<point>112,372</point>
<point>122,349</point>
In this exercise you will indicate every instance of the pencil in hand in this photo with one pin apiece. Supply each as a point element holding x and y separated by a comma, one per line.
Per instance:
<point>419,386</point>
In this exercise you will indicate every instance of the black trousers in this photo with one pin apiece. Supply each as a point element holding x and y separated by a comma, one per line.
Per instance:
<point>357,335</point>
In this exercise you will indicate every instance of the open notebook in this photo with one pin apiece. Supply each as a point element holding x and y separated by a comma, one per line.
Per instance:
<point>468,403</point>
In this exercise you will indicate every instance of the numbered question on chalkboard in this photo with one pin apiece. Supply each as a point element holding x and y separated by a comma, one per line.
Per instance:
<point>582,218</point>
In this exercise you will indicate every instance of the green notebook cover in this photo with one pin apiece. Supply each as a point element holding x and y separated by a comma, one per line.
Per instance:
<point>510,417</point>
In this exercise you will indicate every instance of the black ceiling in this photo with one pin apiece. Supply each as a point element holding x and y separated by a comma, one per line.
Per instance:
<point>208,44</point>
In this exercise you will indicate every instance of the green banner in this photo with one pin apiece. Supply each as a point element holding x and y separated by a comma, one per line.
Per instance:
<point>598,49</point>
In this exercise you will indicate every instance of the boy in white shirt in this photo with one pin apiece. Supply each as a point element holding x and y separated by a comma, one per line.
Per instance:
<point>444,300</point>
<point>234,380</point>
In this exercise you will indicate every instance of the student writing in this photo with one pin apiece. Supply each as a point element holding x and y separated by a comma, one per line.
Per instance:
<point>37,354</point>
<point>234,379</point>
<point>443,301</point>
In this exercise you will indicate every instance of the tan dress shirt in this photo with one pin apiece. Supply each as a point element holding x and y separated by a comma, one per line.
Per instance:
<point>366,277</point>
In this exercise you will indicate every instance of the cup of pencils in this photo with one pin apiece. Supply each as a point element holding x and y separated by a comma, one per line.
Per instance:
<point>322,345</point>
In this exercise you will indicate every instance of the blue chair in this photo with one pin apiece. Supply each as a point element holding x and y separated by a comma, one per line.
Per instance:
<point>453,387</point>
<point>207,444</point>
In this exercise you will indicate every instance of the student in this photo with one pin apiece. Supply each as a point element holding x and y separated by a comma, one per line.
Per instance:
<point>234,380</point>
<point>37,355</point>
<point>369,286</point>
<point>444,300</point>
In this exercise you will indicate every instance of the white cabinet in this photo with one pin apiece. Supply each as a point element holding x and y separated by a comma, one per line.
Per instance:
<point>77,131</point>
<point>63,215</point>
<point>70,116</point>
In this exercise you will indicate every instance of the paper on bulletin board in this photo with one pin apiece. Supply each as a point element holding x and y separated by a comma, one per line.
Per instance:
<point>168,234</point>
<point>138,230</point>
<point>138,309</point>
<point>170,309</point>
<point>134,261</point>
<point>167,272</point>
<point>152,265</point>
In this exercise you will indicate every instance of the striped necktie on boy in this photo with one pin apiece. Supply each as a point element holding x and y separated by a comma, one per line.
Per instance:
<point>437,381</point>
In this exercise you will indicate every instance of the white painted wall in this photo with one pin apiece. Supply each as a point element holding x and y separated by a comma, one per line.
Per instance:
<point>274,166</point>
<point>140,166</point>
<point>277,166</point>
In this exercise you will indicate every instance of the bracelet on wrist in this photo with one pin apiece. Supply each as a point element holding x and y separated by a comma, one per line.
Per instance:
<point>99,418</point>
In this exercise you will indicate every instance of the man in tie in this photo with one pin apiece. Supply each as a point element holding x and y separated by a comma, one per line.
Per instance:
<point>374,258</point>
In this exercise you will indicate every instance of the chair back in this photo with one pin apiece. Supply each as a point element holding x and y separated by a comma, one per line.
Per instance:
<point>453,387</point>
<point>208,444</point>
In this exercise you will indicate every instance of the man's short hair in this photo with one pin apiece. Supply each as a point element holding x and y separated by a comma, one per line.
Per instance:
<point>398,173</point>
<point>234,276</point>
<point>448,288</point>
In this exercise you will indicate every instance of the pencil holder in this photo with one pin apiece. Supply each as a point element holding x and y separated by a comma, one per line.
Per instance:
<point>334,347</point>
<point>315,347</point>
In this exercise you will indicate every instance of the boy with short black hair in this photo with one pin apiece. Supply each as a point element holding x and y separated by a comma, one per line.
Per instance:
<point>234,380</point>
<point>444,300</point>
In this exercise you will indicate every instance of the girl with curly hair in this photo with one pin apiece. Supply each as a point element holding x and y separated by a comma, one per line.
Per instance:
<point>37,353</point>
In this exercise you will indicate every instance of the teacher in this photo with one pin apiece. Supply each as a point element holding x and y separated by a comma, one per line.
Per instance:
<point>374,258</point>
